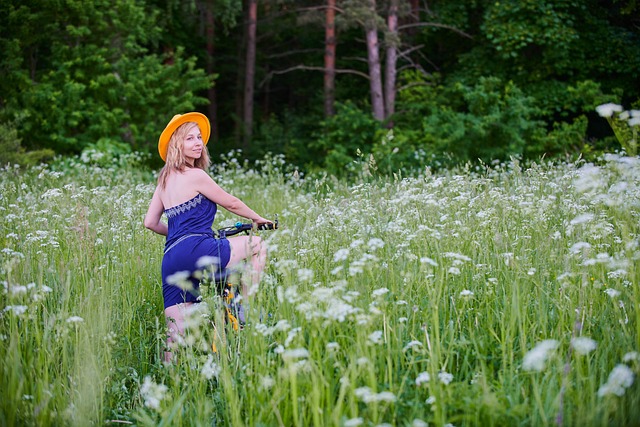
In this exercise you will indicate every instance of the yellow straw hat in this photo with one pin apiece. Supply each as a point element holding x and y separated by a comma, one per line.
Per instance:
<point>177,120</point>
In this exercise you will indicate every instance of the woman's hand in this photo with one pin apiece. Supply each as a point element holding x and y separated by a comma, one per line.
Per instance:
<point>261,220</point>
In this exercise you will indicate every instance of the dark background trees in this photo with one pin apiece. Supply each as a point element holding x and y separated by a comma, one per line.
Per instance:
<point>319,80</point>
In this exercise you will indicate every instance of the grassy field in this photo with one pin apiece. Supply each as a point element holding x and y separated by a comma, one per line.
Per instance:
<point>499,295</point>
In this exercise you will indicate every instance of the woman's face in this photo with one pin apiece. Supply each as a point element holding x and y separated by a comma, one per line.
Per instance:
<point>193,145</point>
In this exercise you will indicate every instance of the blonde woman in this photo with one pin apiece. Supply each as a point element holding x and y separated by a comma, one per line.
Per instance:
<point>189,197</point>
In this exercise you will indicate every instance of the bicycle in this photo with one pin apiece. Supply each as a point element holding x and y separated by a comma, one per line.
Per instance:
<point>233,308</point>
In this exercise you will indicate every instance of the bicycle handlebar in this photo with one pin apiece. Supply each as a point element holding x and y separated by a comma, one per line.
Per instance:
<point>240,227</point>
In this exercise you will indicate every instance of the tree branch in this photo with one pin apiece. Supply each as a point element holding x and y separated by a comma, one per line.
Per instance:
<point>310,68</point>
<point>293,52</point>
<point>434,24</point>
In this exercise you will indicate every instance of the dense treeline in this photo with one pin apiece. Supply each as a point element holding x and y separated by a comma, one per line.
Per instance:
<point>410,82</point>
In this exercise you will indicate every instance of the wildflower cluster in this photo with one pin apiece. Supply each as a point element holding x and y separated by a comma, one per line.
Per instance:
<point>625,125</point>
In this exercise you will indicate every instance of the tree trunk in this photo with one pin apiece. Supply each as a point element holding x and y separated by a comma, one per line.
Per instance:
<point>391,58</point>
<point>373,57</point>
<point>330,60</point>
<point>238,128</point>
<point>250,67</point>
<point>211,93</point>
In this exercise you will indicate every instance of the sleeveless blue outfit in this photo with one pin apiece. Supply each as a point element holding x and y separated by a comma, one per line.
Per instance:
<point>190,237</point>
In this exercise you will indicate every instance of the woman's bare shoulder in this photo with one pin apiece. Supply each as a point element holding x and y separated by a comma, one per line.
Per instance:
<point>197,175</point>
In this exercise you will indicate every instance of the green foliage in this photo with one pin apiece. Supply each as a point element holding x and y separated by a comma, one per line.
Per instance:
<point>288,134</point>
<point>487,120</point>
<point>12,151</point>
<point>341,136</point>
<point>76,73</point>
<point>93,78</point>
<point>544,29</point>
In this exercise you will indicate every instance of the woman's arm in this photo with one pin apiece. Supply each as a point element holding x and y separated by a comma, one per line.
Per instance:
<point>212,191</point>
<point>154,214</point>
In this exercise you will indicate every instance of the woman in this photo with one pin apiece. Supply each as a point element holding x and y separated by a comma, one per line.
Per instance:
<point>188,196</point>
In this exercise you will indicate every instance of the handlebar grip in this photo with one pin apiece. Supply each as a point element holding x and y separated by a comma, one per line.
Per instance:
<point>267,226</point>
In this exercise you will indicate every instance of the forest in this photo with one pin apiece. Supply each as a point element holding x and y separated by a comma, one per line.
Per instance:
<point>404,84</point>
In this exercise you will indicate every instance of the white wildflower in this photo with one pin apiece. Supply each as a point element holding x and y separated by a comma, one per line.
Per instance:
<point>18,290</point>
<point>375,337</point>
<point>356,243</point>
<point>454,270</point>
<point>368,396</point>
<point>354,270</point>
<point>617,274</point>
<point>582,219</point>
<point>53,192</point>
<point>266,382</point>
<point>535,359</point>
<point>152,393</point>
<point>364,393</point>
<point>612,292</point>
<point>362,361</point>
<point>631,356</point>
<point>590,179</point>
<point>412,344</point>
<point>333,346</point>
<point>282,326</point>
<point>583,345</point>
<point>296,353</point>
<point>576,248</point>
<point>466,293</point>
<point>376,243</point>
<point>341,255</point>
<point>427,260</point>
<point>430,401</point>
<point>75,319</point>
<point>620,378</point>
<point>305,274</point>
<point>457,256</point>
<point>607,110</point>
<point>422,378</point>
<point>339,310</point>
<point>445,377</point>
<point>207,261</point>
<point>353,422</point>
<point>385,396</point>
<point>419,423</point>
<point>379,292</point>
<point>634,121</point>
<point>178,277</point>
<point>210,369</point>
<point>18,310</point>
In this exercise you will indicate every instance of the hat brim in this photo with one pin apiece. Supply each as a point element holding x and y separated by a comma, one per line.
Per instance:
<point>179,119</point>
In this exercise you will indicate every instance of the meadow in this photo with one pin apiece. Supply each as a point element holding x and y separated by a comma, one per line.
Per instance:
<point>494,295</point>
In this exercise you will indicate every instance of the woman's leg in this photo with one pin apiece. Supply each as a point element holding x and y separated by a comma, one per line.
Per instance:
<point>175,323</point>
<point>250,248</point>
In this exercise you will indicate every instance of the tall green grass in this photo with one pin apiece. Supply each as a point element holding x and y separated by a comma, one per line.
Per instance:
<point>386,301</point>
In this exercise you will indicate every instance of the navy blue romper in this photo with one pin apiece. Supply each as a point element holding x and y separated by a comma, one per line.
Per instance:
<point>190,237</point>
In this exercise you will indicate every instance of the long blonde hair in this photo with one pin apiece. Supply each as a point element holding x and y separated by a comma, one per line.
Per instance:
<point>176,160</point>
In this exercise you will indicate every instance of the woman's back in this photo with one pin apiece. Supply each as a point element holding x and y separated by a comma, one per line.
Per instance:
<point>179,188</point>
